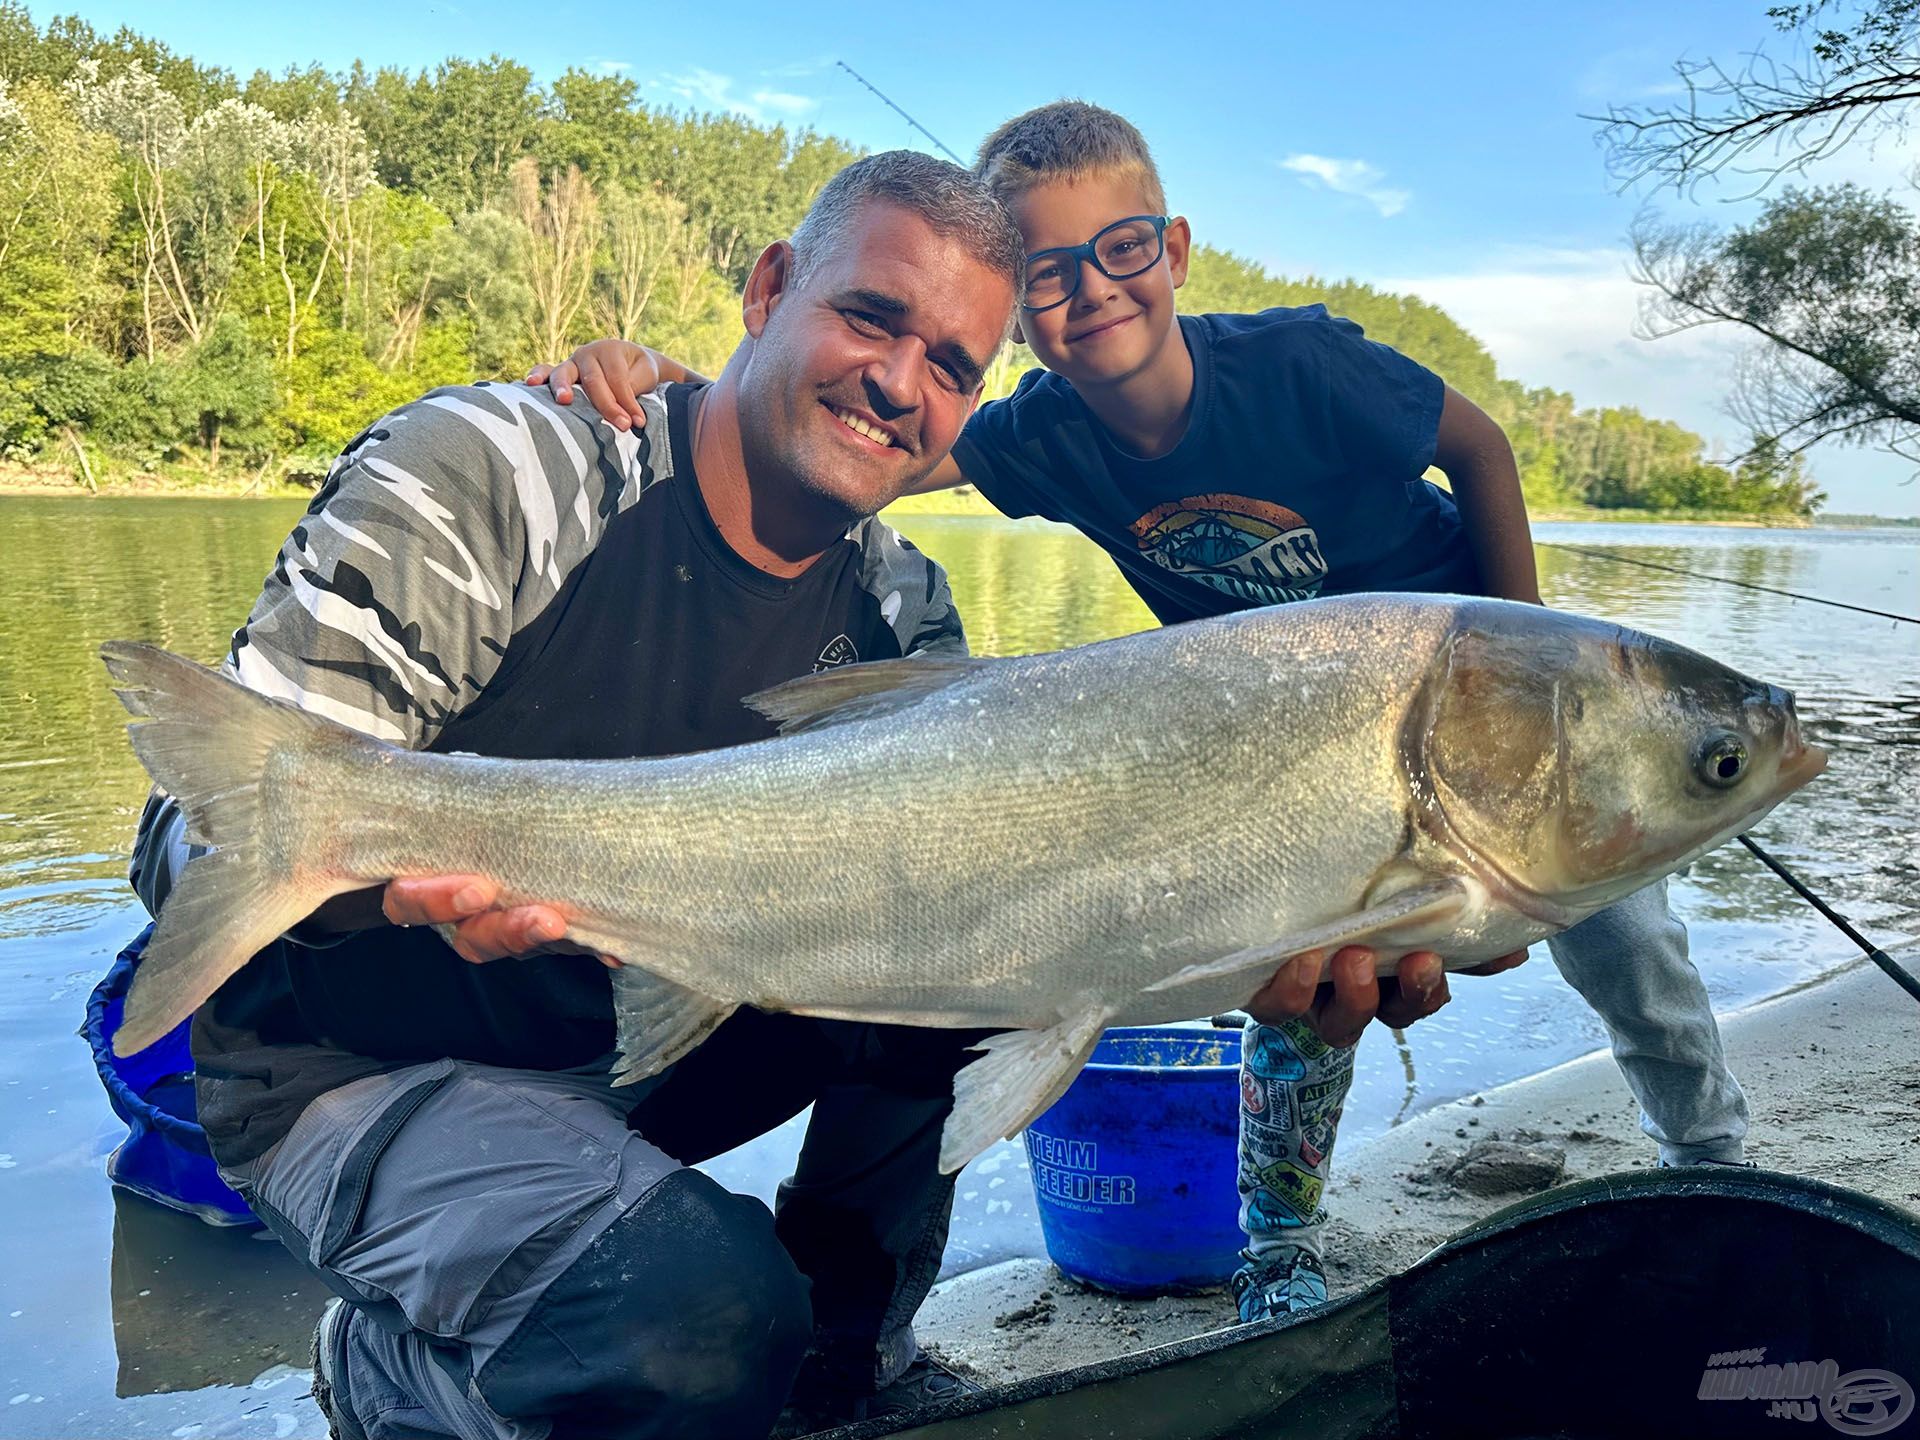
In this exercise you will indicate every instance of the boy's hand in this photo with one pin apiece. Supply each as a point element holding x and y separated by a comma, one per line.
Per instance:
<point>612,372</point>
<point>481,930</point>
<point>1340,1009</point>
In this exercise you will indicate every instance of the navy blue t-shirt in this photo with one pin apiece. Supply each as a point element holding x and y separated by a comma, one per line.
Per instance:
<point>1299,474</point>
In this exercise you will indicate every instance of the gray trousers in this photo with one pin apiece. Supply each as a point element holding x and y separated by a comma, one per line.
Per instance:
<point>527,1253</point>
<point>1628,961</point>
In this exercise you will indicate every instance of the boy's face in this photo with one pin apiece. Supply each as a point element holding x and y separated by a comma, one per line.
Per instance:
<point>1109,330</point>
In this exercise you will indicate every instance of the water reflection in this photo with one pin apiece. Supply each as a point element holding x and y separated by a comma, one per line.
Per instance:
<point>197,1305</point>
<point>1028,585</point>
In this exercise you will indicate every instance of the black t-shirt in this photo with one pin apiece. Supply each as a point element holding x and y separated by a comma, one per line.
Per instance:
<point>1299,474</point>
<point>654,633</point>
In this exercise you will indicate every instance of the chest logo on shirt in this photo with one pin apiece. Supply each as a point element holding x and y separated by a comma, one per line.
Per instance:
<point>839,651</point>
<point>1253,550</point>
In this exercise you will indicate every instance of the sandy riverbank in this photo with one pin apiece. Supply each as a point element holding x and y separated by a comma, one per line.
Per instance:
<point>1829,1072</point>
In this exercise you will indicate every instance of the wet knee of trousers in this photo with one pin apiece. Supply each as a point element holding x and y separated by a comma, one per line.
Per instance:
<point>686,1317</point>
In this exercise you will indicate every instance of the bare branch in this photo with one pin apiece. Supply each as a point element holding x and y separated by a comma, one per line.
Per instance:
<point>1769,118</point>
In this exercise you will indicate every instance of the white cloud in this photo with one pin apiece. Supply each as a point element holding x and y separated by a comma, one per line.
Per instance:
<point>1566,318</point>
<point>1630,77</point>
<point>795,68</point>
<point>711,90</point>
<point>1349,177</point>
<point>612,67</point>
<point>784,102</point>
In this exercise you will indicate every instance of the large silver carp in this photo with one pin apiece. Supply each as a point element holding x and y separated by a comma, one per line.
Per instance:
<point>1124,833</point>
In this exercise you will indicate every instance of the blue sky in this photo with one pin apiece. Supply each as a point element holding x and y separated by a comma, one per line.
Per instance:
<point>1446,157</point>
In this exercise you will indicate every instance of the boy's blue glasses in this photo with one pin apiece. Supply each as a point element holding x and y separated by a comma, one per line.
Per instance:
<point>1124,249</point>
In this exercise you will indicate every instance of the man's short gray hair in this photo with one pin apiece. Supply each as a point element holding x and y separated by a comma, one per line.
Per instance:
<point>951,200</point>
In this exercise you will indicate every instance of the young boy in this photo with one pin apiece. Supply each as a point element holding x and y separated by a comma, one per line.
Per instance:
<point>1231,461</point>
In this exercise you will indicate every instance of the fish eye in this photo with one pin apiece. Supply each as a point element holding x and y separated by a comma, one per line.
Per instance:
<point>1723,761</point>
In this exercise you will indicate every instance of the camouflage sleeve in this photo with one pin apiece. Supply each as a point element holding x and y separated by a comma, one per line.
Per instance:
<point>914,596</point>
<point>439,531</point>
<point>939,631</point>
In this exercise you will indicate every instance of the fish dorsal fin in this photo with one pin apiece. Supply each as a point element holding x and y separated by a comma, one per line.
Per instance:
<point>860,692</point>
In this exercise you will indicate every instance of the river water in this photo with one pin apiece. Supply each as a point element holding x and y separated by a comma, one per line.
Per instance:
<point>118,1318</point>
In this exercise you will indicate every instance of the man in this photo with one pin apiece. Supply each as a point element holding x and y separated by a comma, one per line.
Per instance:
<point>521,1247</point>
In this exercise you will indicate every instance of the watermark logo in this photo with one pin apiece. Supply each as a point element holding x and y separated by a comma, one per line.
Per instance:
<point>1860,1402</point>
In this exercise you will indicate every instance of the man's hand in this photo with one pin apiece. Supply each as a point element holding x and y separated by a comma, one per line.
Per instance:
<point>612,372</point>
<point>483,930</point>
<point>1340,1009</point>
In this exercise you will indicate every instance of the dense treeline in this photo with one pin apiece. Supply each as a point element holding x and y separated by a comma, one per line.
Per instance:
<point>198,271</point>
<point>195,266</point>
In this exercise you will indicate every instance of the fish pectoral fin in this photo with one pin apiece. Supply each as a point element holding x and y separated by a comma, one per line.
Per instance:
<point>657,1021</point>
<point>860,692</point>
<point>1420,914</point>
<point>1017,1077</point>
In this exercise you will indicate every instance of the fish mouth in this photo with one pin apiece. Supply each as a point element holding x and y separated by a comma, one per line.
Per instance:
<point>1799,763</point>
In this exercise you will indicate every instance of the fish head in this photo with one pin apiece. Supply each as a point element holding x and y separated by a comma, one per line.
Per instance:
<point>1572,761</point>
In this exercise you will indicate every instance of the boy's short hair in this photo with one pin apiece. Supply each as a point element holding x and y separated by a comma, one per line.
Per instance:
<point>1067,140</point>
<point>953,202</point>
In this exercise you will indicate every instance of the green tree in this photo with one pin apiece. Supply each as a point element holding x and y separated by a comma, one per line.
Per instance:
<point>597,124</point>
<point>56,210</point>
<point>225,390</point>
<point>1826,276</point>
<point>55,55</point>
<point>1831,280</point>
<point>451,136</point>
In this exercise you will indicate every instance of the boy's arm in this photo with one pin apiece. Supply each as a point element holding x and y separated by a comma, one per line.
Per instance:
<point>613,372</point>
<point>1473,451</point>
<point>944,476</point>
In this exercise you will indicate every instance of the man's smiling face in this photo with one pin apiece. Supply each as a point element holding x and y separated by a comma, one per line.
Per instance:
<point>864,370</point>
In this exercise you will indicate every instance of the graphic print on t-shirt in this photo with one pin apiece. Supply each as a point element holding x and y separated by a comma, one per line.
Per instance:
<point>1250,549</point>
<point>840,651</point>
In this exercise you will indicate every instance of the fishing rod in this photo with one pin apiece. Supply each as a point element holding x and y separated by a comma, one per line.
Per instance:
<point>901,113</point>
<point>1725,580</point>
<point>1896,972</point>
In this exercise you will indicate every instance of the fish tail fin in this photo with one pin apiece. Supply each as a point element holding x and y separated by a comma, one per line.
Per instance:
<point>206,740</point>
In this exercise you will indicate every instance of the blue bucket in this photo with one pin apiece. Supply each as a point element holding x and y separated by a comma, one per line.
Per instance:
<point>165,1155</point>
<point>1134,1167</point>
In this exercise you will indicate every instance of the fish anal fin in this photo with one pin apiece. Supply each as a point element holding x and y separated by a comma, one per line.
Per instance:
<point>657,1021</point>
<point>1418,915</point>
<point>860,692</point>
<point>1017,1077</point>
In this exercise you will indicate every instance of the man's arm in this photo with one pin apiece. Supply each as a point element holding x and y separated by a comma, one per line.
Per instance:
<point>1472,450</point>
